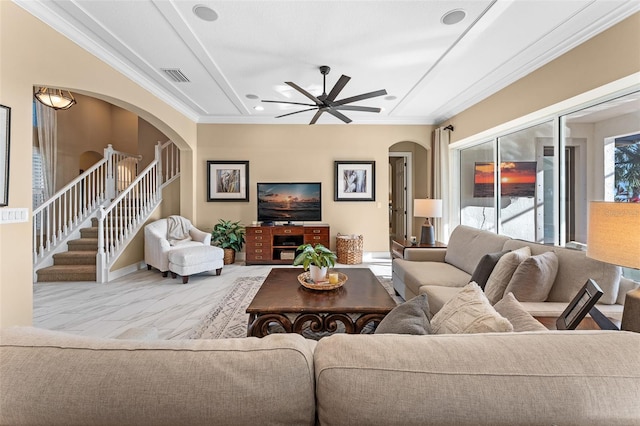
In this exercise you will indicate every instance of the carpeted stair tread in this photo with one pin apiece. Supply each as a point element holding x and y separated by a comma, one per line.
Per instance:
<point>89,232</point>
<point>67,273</point>
<point>85,257</point>
<point>83,244</point>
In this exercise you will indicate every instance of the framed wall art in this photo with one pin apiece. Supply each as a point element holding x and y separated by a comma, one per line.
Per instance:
<point>355,181</point>
<point>227,180</point>
<point>5,127</point>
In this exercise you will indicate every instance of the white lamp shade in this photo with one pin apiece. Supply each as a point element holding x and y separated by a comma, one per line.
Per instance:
<point>614,233</point>
<point>427,208</point>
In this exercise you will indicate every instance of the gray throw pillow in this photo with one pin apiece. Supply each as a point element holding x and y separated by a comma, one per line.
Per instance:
<point>511,309</point>
<point>485,267</point>
<point>533,278</point>
<point>411,317</point>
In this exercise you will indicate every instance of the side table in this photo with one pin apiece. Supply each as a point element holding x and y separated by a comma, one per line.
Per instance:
<point>398,247</point>
<point>586,324</point>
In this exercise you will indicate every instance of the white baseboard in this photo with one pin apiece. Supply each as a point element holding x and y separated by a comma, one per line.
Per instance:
<point>118,273</point>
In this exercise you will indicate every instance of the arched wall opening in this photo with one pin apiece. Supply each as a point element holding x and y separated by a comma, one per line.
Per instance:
<point>410,177</point>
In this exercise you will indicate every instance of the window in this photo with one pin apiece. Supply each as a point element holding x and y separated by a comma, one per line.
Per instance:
<point>591,153</point>
<point>522,186</point>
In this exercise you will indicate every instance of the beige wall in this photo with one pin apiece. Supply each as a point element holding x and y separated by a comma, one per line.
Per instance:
<point>303,153</point>
<point>148,138</point>
<point>609,56</point>
<point>91,125</point>
<point>84,127</point>
<point>34,54</point>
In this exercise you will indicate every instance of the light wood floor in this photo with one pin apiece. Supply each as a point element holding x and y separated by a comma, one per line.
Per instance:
<point>144,299</point>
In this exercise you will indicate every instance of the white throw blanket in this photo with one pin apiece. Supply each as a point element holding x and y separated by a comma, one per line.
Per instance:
<point>178,230</point>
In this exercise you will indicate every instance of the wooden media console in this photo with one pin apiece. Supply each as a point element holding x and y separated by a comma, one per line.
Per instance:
<point>278,244</point>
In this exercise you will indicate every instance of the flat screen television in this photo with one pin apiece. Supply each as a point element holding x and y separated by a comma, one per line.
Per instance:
<point>290,202</point>
<point>517,179</point>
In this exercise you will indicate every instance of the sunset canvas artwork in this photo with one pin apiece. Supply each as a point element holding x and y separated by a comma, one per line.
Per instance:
<point>517,179</point>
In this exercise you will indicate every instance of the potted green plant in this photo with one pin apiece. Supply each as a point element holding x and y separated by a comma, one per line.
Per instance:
<point>316,259</point>
<point>230,237</point>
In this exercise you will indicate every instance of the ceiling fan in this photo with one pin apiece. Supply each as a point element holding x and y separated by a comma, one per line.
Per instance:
<point>327,103</point>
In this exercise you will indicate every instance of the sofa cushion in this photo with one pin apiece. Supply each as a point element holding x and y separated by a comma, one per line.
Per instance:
<point>410,317</point>
<point>543,378</point>
<point>439,295</point>
<point>417,274</point>
<point>485,267</point>
<point>574,268</point>
<point>467,245</point>
<point>469,312</point>
<point>81,380</point>
<point>502,273</point>
<point>533,278</point>
<point>520,319</point>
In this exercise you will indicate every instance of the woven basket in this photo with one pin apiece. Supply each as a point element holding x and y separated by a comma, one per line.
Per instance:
<point>229,256</point>
<point>349,249</point>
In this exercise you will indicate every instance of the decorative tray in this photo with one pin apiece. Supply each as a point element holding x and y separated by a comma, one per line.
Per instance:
<point>306,281</point>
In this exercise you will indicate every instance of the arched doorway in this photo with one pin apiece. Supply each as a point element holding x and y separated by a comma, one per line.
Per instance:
<point>409,178</point>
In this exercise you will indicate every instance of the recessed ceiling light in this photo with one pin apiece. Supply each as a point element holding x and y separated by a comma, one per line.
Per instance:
<point>390,98</point>
<point>205,13</point>
<point>453,17</point>
<point>251,96</point>
<point>258,108</point>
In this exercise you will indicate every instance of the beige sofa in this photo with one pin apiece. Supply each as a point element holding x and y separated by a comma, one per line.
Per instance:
<point>563,378</point>
<point>440,272</point>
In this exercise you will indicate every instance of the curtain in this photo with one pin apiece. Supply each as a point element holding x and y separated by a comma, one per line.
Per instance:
<point>48,143</point>
<point>441,181</point>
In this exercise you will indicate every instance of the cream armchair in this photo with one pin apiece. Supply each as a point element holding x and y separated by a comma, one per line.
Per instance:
<point>157,247</point>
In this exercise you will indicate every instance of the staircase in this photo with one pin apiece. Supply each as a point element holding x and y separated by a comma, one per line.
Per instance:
<point>98,224</point>
<point>78,263</point>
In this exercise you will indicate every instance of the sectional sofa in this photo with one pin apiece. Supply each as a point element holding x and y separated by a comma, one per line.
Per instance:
<point>562,378</point>
<point>440,272</point>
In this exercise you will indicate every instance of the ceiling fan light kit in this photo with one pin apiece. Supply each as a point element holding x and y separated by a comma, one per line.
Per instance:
<point>327,102</point>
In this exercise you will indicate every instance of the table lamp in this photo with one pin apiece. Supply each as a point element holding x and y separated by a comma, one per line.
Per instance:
<point>427,208</point>
<point>614,237</point>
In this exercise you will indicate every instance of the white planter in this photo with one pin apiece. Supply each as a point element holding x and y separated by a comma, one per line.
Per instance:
<point>318,274</point>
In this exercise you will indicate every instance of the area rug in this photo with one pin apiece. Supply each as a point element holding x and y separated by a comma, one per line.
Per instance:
<point>229,319</point>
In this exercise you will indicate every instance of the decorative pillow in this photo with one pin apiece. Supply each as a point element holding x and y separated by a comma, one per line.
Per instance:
<point>485,267</point>
<point>468,312</point>
<point>501,275</point>
<point>511,309</point>
<point>626,285</point>
<point>533,278</point>
<point>411,317</point>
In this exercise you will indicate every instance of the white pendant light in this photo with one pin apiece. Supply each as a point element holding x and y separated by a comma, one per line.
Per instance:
<point>55,98</point>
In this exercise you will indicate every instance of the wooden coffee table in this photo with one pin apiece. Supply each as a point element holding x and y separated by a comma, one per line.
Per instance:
<point>281,299</point>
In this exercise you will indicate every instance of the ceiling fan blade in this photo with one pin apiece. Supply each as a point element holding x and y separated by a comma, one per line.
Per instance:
<point>360,97</point>
<point>342,81</point>
<point>316,116</point>
<point>296,112</point>
<point>339,115</point>
<point>358,108</point>
<point>304,92</point>
<point>287,102</point>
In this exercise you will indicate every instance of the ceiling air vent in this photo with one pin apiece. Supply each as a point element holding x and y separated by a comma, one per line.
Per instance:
<point>175,75</point>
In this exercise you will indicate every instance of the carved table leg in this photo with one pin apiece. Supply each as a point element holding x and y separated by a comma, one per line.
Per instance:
<point>259,324</point>
<point>366,319</point>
